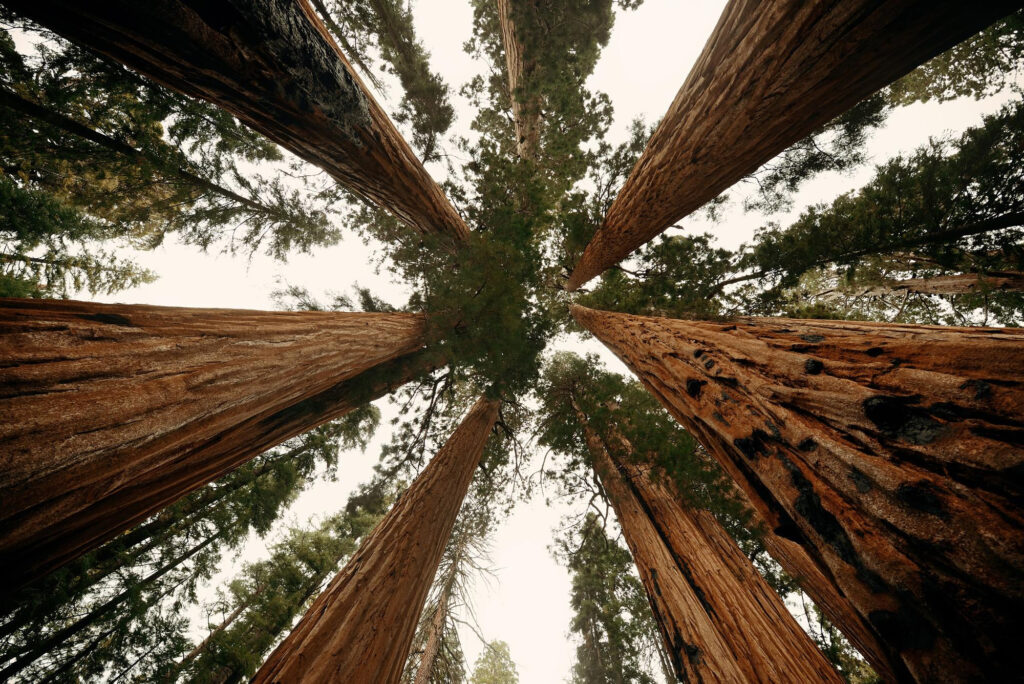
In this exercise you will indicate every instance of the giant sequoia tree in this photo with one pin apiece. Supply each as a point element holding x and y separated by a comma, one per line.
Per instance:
<point>890,450</point>
<point>877,463</point>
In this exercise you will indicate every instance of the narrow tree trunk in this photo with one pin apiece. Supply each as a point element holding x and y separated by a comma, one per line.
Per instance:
<point>273,65</point>
<point>769,76</point>
<point>762,640</point>
<point>361,627</point>
<point>434,636</point>
<point>69,125</point>
<point>962,283</point>
<point>201,646</point>
<point>110,412</point>
<point>894,449</point>
<point>37,648</point>
<point>525,111</point>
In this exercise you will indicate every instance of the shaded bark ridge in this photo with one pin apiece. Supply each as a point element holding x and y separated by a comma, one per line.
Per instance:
<point>361,627</point>
<point>781,70</point>
<point>762,637</point>
<point>895,450</point>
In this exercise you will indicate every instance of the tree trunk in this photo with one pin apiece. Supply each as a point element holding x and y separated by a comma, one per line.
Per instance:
<point>434,636</point>
<point>695,574</point>
<point>894,450</point>
<point>273,65</point>
<point>525,112</point>
<point>962,283</point>
<point>360,629</point>
<point>816,580</point>
<point>768,77</point>
<point>201,646</point>
<point>110,412</point>
<point>69,125</point>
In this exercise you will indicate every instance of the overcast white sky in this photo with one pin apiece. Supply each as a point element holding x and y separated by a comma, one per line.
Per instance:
<point>650,53</point>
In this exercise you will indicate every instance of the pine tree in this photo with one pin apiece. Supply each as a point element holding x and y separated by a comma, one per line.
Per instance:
<point>495,665</point>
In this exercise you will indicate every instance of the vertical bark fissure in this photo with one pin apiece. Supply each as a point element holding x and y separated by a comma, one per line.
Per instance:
<point>887,469</point>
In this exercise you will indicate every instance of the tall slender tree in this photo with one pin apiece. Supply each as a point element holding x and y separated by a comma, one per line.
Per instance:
<point>913,510</point>
<point>836,58</point>
<point>114,411</point>
<point>361,627</point>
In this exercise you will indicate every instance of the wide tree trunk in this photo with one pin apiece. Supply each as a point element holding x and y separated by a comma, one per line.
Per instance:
<point>768,76</point>
<point>109,412</point>
<point>894,450</point>
<point>706,595</point>
<point>360,629</point>
<point>525,111</point>
<point>273,65</point>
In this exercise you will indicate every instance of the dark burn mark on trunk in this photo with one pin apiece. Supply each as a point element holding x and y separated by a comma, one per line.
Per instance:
<point>982,389</point>
<point>709,364</point>
<point>754,445</point>
<point>922,497</point>
<point>813,339</point>
<point>904,630</point>
<point>719,417</point>
<point>726,380</point>
<point>807,444</point>
<point>808,506</point>
<point>896,418</point>
<point>813,366</point>
<point>874,351</point>
<point>698,353</point>
<point>693,387</point>
<point>860,481</point>
<point>108,318</point>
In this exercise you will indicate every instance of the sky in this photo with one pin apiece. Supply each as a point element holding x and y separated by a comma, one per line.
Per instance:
<point>525,602</point>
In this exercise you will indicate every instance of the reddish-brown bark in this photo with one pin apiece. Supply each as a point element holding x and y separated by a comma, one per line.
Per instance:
<point>110,412</point>
<point>769,75</point>
<point>895,450</point>
<point>273,65</point>
<point>719,619</point>
<point>525,114</point>
<point>360,629</point>
<point>816,580</point>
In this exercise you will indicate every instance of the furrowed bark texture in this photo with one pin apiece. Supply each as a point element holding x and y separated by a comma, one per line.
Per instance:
<point>962,283</point>
<point>433,643</point>
<point>525,115</point>
<point>273,65</point>
<point>109,412</point>
<point>895,450</point>
<point>676,548</point>
<point>360,629</point>
<point>770,75</point>
<point>816,580</point>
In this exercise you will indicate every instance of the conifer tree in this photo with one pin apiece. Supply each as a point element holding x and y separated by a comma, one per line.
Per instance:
<point>328,119</point>
<point>923,497</point>
<point>495,665</point>
<point>164,401</point>
<point>889,40</point>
